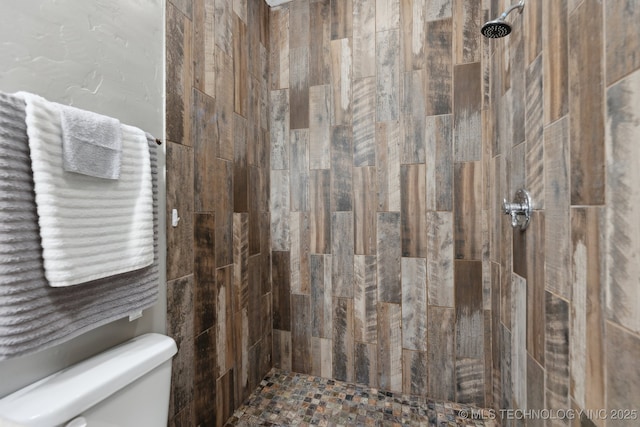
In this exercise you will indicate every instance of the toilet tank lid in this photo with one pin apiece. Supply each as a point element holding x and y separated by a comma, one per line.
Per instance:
<point>67,393</point>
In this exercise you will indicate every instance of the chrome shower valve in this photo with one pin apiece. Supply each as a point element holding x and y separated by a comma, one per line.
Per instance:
<point>519,210</point>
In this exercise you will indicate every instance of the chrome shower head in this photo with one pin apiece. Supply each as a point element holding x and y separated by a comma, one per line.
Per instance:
<point>495,29</point>
<point>499,27</point>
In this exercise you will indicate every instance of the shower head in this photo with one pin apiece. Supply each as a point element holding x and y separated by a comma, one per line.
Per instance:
<point>499,27</point>
<point>495,29</point>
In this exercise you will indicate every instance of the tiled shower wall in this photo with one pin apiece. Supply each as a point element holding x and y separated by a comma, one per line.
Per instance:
<point>562,118</point>
<point>379,261</point>
<point>218,257</point>
<point>387,238</point>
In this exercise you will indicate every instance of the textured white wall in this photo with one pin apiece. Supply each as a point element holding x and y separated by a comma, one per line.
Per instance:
<point>102,55</point>
<point>105,56</point>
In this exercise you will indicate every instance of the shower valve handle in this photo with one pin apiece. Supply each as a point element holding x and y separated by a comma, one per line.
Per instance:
<point>519,210</point>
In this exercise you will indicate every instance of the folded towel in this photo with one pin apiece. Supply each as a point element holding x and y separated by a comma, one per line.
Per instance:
<point>90,228</point>
<point>33,315</point>
<point>91,143</point>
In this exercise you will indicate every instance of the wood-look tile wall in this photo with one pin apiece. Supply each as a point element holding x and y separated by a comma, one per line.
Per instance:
<point>561,117</point>
<point>377,195</point>
<point>360,150</point>
<point>218,172</point>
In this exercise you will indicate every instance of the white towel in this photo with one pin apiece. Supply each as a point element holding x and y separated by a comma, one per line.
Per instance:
<point>90,228</point>
<point>91,143</point>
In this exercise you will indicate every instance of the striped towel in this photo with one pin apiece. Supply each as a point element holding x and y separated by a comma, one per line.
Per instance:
<point>33,315</point>
<point>90,228</point>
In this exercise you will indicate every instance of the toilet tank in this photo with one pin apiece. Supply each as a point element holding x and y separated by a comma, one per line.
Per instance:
<point>127,385</point>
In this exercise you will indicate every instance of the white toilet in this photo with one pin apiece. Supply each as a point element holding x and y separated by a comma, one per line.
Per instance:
<point>127,385</point>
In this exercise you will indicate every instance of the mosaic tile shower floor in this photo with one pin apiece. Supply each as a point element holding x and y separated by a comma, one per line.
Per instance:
<point>289,399</point>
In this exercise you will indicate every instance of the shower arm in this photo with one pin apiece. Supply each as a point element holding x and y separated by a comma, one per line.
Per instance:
<point>510,9</point>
